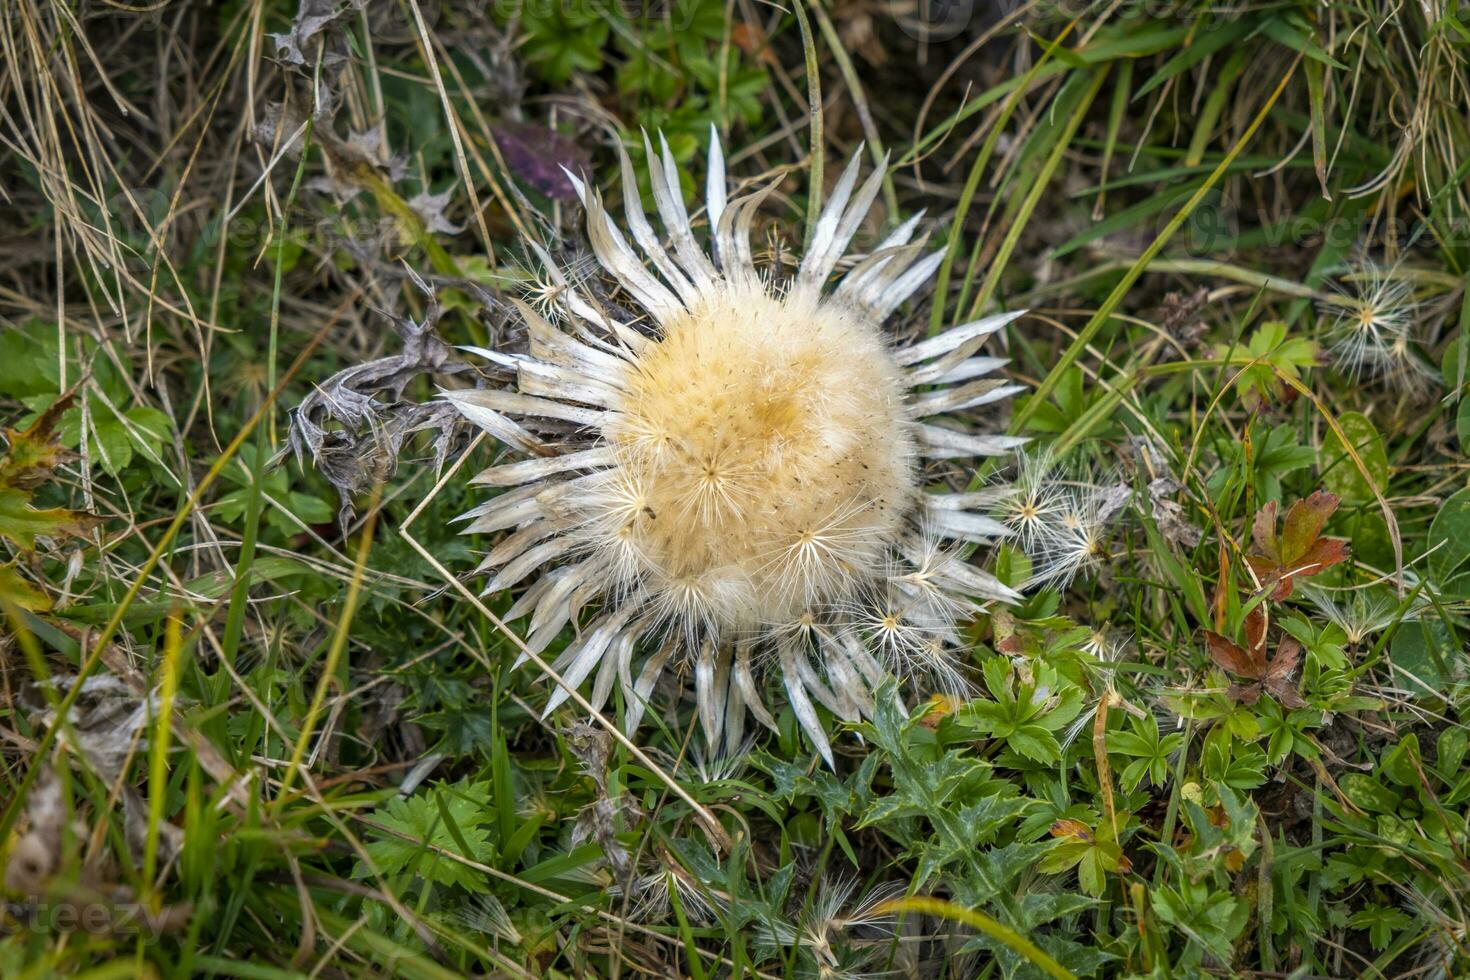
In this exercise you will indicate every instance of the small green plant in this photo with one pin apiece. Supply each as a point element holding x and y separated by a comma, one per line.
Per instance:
<point>421,836</point>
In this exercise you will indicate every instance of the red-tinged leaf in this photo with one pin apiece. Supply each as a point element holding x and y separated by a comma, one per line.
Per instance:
<point>1246,694</point>
<point>1299,550</point>
<point>1283,589</point>
<point>1278,677</point>
<point>752,40</point>
<point>1283,665</point>
<point>1229,656</point>
<point>1255,636</point>
<point>1222,594</point>
<point>1322,555</point>
<point>1263,531</point>
<point>1303,525</point>
<point>1266,569</point>
<point>1072,828</point>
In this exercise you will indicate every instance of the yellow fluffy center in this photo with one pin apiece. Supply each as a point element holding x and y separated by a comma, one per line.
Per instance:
<point>765,459</point>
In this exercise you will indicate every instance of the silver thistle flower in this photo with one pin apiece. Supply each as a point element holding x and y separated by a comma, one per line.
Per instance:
<point>739,480</point>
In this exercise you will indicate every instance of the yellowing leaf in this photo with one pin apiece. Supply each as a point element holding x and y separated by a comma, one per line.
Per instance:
<point>30,458</point>
<point>16,591</point>
<point>21,524</point>
<point>32,453</point>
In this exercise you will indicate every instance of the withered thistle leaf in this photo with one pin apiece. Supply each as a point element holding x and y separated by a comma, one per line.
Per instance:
<point>355,425</point>
<point>313,34</point>
<point>430,209</point>
<point>1169,515</point>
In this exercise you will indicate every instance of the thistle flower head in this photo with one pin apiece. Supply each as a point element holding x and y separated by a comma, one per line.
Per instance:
<point>733,481</point>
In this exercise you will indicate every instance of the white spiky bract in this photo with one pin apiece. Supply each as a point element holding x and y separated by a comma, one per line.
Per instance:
<point>738,481</point>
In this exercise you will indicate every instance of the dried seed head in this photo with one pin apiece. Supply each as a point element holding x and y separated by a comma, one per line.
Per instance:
<point>1370,326</point>
<point>770,447</point>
